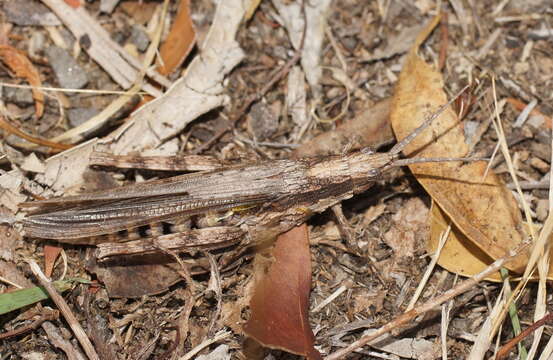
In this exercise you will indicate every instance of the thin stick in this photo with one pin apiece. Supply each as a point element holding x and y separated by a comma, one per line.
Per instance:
<point>218,337</point>
<point>65,310</point>
<point>429,305</point>
<point>505,349</point>
<point>430,268</point>
<point>45,316</point>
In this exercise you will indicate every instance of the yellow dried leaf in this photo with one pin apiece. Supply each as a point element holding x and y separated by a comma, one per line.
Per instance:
<point>482,209</point>
<point>459,255</point>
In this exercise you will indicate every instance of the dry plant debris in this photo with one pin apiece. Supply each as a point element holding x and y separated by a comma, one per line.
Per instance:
<point>244,81</point>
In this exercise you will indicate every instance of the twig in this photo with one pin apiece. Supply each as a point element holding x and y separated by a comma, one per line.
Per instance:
<point>505,349</point>
<point>443,238</point>
<point>66,311</point>
<point>12,129</point>
<point>429,305</point>
<point>183,321</point>
<point>56,338</point>
<point>46,315</point>
<point>215,285</point>
<point>218,337</point>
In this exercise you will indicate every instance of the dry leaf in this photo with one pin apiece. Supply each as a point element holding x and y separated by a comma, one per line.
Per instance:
<point>18,62</point>
<point>457,246</point>
<point>370,127</point>
<point>128,277</point>
<point>51,253</point>
<point>484,210</point>
<point>280,304</point>
<point>179,42</point>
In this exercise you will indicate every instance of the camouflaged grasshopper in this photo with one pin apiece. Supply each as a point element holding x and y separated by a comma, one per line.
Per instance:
<point>284,193</point>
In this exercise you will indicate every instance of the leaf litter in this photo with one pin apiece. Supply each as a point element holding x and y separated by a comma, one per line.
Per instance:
<point>343,271</point>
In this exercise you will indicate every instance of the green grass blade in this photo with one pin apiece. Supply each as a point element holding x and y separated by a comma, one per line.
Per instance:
<point>20,298</point>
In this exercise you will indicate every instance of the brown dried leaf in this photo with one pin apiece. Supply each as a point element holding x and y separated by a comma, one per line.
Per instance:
<point>457,246</point>
<point>280,304</point>
<point>18,62</point>
<point>51,253</point>
<point>371,127</point>
<point>484,210</point>
<point>129,277</point>
<point>179,42</point>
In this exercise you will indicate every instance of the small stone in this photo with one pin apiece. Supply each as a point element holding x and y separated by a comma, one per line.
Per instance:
<point>262,121</point>
<point>349,43</point>
<point>69,74</point>
<point>120,37</point>
<point>77,116</point>
<point>29,13</point>
<point>139,38</point>
<point>36,44</point>
<point>18,96</point>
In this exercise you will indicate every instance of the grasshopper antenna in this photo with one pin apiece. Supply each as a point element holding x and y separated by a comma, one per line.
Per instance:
<point>403,143</point>
<point>403,162</point>
<point>395,151</point>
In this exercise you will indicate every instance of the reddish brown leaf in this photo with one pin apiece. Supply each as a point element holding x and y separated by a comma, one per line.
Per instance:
<point>73,3</point>
<point>180,40</point>
<point>18,62</point>
<point>280,303</point>
<point>51,253</point>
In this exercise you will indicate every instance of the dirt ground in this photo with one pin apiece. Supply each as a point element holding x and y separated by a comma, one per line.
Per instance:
<point>374,269</point>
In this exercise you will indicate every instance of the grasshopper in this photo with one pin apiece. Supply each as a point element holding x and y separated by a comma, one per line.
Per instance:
<point>284,192</point>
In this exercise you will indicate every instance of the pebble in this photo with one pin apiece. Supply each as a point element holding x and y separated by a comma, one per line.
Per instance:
<point>262,121</point>
<point>21,97</point>
<point>139,38</point>
<point>68,73</point>
<point>29,13</point>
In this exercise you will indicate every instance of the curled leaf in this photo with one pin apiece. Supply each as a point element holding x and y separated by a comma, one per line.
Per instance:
<point>280,304</point>
<point>18,62</point>
<point>179,42</point>
<point>481,208</point>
